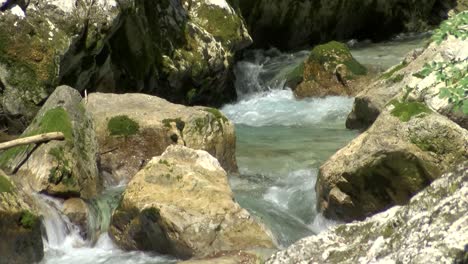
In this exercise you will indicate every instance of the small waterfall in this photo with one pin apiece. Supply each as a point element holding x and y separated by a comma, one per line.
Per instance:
<point>63,243</point>
<point>263,71</point>
<point>58,229</point>
<point>100,211</point>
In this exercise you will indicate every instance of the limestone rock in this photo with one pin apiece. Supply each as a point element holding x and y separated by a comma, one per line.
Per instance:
<point>407,148</point>
<point>181,204</point>
<point>133,128</point>
<point>432,228</point>
<point>395,82</point>
<point>59,168</point>
<point>181,50</point>
<point>20,227</point>
<point>330,69</point>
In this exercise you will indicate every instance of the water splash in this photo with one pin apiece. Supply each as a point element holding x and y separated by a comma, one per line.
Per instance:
<point>63,243</point>
<point>279,107</point>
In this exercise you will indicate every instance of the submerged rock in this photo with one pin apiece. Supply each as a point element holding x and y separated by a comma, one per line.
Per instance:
<point>20,227</point>
<point>59,168</point>
<point>407,148</point>
<point>180,50</point>
<point>181,204</point>
<point>432,228</point>
<point>133,128</point>
<point>330,69</point>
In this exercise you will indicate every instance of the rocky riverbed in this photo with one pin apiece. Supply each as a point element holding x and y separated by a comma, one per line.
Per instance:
<point>180,144</point>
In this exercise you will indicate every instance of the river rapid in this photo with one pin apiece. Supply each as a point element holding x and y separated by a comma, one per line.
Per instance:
<point>281,143</point>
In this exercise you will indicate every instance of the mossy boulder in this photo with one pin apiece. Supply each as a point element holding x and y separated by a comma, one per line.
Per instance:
<point>403,82</point>
<point>36,52</point>
<point>291,24</point>
<point>180,203</point>
<point>133,128</point>
<point>59,168</point>
<point>330,69</point>
<point>20,226</point>
<point>406,148</point>
<point>180,50</point>
<point>433,227</point>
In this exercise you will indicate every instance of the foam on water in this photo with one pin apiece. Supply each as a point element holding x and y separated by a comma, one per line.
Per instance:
<point>63,243</point>
<point>279,107</point>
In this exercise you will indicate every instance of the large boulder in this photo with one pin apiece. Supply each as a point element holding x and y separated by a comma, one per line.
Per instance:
<point>405,81</point>
<point>407,148</point>
<point>330,69</point>
<point>181,204</point>
<point>59,168</point>
<point>432,228</point>
<point>133,128</point>
<point>20,227</point>
<point>180,50</point>
<point>290,24</point>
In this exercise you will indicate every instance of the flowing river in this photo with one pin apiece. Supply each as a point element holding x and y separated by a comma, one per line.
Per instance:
<point>281,143</point>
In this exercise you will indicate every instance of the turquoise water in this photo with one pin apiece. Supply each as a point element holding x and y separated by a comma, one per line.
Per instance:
<point>281,143</point>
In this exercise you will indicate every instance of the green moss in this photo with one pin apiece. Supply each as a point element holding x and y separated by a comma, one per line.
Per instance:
<point>397,78</point>
<point>62,173</point>
<point>31,62</point>
<point>406,110</point>
<point>200,123</point>
<point>11,154</point>
<point>178,121</point>
<point>28,220</point>
<point>218,115</point>
<point>296,73</point>
<point>334,53</point>
<point>122,126</point>
<point>223,25</point>
<point>165,162</point>
<point>390,73</point>
<point>387,231</point>
<point>56,120</point>
<point>5,185</point>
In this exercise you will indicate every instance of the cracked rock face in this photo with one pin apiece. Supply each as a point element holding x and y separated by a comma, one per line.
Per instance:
<point>157,124</point>
<point>181,204</point>
<point>389,163</point>
<point>432,228</point>
<point>181,50</point>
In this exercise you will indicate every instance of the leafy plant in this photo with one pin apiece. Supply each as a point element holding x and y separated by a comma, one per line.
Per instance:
<point>456,26</point>
<point>454,74</point>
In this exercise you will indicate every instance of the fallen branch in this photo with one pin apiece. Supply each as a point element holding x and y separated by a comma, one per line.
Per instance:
<point>32,140</point>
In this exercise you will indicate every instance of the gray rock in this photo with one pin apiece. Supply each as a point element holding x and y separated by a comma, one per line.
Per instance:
<point>394,159</point>
<point>432,228</point>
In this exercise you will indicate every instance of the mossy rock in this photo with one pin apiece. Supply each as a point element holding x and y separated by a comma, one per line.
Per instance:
<point>122,126</point>
<point>407,110</point>
<point>5,185</point>
<point>59,168</point>
<point>334,53</point>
